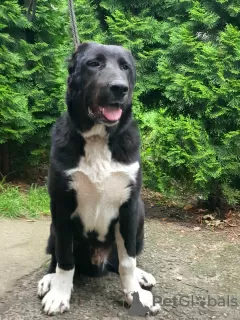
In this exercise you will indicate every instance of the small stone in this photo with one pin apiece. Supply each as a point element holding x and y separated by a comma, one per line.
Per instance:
<point>197,229</point>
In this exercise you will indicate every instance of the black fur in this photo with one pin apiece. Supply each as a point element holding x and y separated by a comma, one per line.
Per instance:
<point>94,73</point>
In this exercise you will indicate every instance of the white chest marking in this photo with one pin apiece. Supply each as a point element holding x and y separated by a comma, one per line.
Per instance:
<point>101,184</point>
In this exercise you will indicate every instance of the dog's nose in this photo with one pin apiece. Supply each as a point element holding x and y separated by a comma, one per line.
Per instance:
<point>119,89</point>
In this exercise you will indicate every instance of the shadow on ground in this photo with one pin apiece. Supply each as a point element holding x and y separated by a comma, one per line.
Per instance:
<point>197,277</point>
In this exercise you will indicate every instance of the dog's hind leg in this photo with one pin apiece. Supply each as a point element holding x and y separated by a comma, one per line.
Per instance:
<point>44,283</point>
<point>112,261</point>
<point>51,250</point>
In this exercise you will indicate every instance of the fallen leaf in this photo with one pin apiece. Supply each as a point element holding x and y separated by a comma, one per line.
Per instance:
<point>188,207</point>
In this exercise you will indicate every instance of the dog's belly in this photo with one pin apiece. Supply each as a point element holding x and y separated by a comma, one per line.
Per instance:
<point>102,185</point>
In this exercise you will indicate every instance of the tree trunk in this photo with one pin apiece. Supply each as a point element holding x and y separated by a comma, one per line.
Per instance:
<point>217,201</point>
<point>4,159</point>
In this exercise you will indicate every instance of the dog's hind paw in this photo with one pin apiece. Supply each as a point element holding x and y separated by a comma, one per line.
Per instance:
<point>145,279</point>
<point>44,284</point>
<point>142,303</point>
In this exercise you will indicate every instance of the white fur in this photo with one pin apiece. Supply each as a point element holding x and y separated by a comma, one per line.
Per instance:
<point>44,284</point>
<point>145,279</point>
<point>56,289</point>
<point>101,183</point>
<point>129,277</point>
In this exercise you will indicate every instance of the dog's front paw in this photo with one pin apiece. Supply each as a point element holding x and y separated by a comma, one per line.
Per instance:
<point>141,303</point>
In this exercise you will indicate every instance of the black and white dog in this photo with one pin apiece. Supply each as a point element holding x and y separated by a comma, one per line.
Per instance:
<point>95,180</point>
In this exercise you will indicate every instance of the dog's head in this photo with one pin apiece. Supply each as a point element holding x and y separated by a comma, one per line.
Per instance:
<point>100,84</point>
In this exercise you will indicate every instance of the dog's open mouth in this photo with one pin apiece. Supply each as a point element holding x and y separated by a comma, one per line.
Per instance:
<point>111,113</point>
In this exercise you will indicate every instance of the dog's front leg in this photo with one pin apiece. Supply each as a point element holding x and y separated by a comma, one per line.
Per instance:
<point>126,233</point>
<point>56,287</point>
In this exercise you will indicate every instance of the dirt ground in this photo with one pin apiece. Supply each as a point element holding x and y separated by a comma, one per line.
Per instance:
<point>197,273</point>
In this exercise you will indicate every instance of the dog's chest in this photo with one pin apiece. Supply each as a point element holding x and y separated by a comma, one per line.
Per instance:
<point>102,185</point>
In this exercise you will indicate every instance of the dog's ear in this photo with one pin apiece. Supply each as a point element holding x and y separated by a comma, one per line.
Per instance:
<point>73,60</point>
<point>134,70</point>
<point>133,65</point>
<point>72,65</point>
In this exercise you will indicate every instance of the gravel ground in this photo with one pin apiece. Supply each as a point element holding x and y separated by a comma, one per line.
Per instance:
<point>197,275</point>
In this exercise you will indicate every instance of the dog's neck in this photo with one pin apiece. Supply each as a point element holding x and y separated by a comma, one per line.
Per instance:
<point>96,130</point>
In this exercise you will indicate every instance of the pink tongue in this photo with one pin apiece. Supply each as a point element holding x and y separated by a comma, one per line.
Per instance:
<point>112,114</point>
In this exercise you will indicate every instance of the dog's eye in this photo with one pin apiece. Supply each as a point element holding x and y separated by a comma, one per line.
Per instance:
<point>93,64</point>
<point>125,67</point>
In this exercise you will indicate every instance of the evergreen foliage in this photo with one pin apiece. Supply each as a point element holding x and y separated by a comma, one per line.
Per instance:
<point>187,98</point>
<point>32,80</point>
<point>15,116</point>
